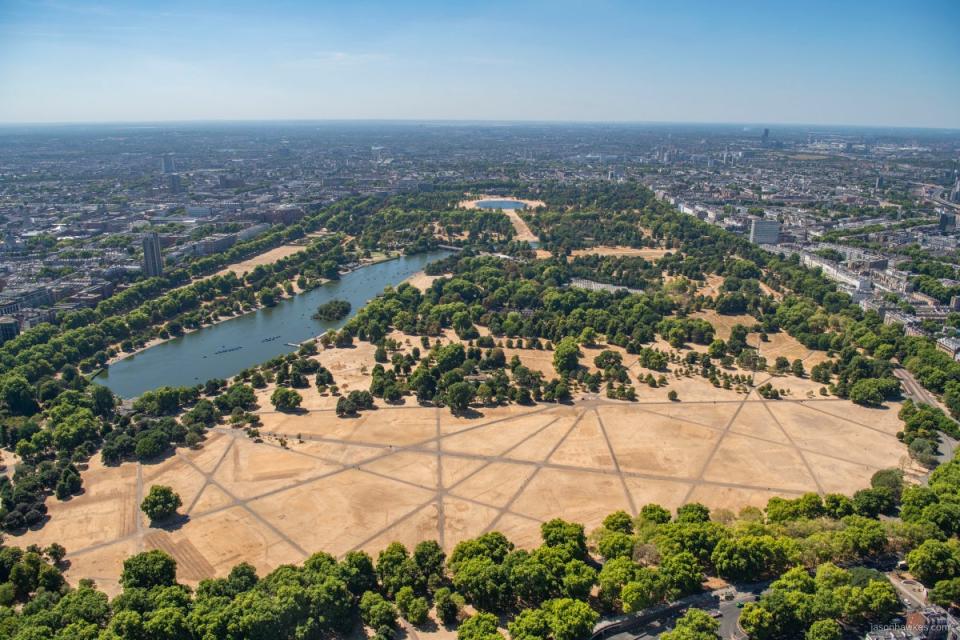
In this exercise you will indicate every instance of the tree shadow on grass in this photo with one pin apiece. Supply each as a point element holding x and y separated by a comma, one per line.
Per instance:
<point>173,523</point>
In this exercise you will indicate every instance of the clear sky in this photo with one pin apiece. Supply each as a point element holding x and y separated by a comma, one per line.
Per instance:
<point>863,62</point>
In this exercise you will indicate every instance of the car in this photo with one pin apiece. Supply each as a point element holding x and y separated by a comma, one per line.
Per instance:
<point>740,605</point>
<point>715,613</point>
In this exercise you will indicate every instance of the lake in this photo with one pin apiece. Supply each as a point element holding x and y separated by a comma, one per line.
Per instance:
<point>223,350</point>
<point>500,204</point>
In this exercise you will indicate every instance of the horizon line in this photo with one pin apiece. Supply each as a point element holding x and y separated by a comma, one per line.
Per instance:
<point>68,123</point>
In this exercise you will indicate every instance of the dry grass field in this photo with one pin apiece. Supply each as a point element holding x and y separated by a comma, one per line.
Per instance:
<point>647,253</point>
<point>267,257</point>
<point>406,472</point>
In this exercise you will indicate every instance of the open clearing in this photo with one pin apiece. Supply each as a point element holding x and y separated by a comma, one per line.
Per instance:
<point>634,252</point>
<point>267,257</point>
<point>408,473</point>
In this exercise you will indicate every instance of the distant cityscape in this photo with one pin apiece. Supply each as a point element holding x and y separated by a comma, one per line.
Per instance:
<point>85,211</point>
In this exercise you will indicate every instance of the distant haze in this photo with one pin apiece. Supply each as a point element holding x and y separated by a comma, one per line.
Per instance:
<point>818,62</point>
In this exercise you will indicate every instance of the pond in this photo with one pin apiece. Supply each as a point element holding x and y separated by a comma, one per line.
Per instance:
<point>223,350</point>
<point>500,204</point>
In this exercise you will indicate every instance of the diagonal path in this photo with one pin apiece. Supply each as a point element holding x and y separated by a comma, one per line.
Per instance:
<point>208,477</point>
<point>538,466</point>
<point>803,456</point>
<point>616,463</point>
<point>433,446</point>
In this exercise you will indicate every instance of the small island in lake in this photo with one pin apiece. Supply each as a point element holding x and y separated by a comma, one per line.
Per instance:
<point>333,310</point>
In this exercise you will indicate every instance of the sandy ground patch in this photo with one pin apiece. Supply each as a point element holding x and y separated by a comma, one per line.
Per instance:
<point>421,280</point>
<point>267,257</point>
<point>645,252</point>
<point>411,473</point>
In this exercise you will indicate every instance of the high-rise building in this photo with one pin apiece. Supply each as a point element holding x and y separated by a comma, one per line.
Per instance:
<point>174,184</point>
<point>167,164</point>
<point>9,328</point>
<point>765,137</point>
<point>947,221</point>
<point>955,192</point>
<point>764,231</point>
<point>152,258</point>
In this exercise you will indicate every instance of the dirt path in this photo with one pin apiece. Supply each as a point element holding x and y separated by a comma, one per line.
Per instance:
<point>523,231</point>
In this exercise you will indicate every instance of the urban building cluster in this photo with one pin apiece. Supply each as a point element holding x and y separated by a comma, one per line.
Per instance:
<point>863,209</point>
<point>86,213</point>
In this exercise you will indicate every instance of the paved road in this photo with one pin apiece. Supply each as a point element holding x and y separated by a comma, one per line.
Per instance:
<point>913,390</point>
<point>911,593</point>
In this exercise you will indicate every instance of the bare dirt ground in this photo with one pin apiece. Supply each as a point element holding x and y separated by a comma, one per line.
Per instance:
<point>267,257</point>
<point>777,344</point>
<point>421,280</point>
<point>406,472</point>
<point>647,253</point>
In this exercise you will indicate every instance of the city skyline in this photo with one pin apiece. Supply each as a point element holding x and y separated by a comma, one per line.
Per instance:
<point>775,63</point>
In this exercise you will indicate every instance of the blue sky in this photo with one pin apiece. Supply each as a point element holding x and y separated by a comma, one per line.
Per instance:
<point>865,62</point>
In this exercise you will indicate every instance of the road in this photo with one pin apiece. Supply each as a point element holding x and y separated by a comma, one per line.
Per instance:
<point>913,390</point>
<point>712,601</point>
<point>911,592</point>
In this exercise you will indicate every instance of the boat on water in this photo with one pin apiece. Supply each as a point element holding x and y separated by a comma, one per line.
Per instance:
<point>217,353</point>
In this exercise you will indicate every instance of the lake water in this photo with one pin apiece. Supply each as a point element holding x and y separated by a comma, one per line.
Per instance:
<point>500,204</point>
<point>223,350</point>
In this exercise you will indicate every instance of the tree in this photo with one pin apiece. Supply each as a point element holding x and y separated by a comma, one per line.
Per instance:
<point>748,558</point>
<point>484,582</point>
<point>284,399</point>
<point>566,356</point>
<point>357,571</point>
<point>797,368</point>
<point>459,395</point>
<point>614,544</point>
<point>693,512</point>
<point>646,589</point>
<point>872,502</point>
<point>570,619</point>
<point>530,624</point>
<point>449,605</point>
<point>619,521</point>
<point>346,407</point>
<point>414,609</point>
<point>891,479</point>
<point>56,553</point>
<point>758,622</point>
<point>866,392</point>
<point>682,571</point>
<point>18,395</point>
<point>569,535</point>
<point>149,569</point>
<point>824,630</point>
<point>654,513</point>
<point>613,576</point>
<point>693,625</point>
<point>607,359</point>
<point>481,626</point>
<point>946,593</point>
<point>376,612</point>
<point>578,579</point>
<point>933,561</point>
<point>396,569</point>
<point>672,395</point>
<point>160,503</point>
